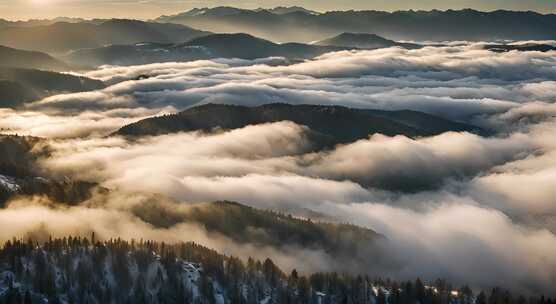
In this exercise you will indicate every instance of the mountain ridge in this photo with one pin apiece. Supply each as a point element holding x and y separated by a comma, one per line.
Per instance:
<point>334,124</point>
<point>11,57</point>
<point>364,41</point>
<point>25,85</point>
<point>278,230</point>
<point>282,10</point>
<point>435,25</point>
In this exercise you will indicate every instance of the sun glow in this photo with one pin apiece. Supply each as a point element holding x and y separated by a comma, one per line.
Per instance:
<point>39,2</point>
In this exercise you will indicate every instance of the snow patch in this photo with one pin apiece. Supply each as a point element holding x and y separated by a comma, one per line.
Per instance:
<point>9,183</point>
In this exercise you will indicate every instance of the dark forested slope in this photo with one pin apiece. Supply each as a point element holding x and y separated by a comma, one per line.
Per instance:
<point>335,124</point>
<point>20,175</point>
<point>77,270</point>
<point>18,86</point>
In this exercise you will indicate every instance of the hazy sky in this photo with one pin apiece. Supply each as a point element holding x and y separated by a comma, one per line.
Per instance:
<point>24,9</point>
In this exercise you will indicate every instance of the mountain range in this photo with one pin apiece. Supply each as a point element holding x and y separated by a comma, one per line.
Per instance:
<point>301,26</point>
<point>237,45</point>
<point>41,22</point>
<point>227,10</point>
<point>62,37</point>
<point>349,124</point>
<point>291,32</point>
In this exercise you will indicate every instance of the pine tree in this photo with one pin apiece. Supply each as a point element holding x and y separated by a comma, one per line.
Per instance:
<point>381,297</point>
<point>27,299</point>
<point>481,298</point>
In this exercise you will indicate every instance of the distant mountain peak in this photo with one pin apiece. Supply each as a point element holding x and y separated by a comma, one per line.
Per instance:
<point>282,10</point>
<point>195,12</point>
<point>363,41</point>
<point>215,11</point>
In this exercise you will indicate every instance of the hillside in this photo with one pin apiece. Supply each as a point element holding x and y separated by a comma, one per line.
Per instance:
<point>246,225</point>
<point>364,41</point>
<point>14,94</point>
<point>334,124</point>
<point>10,57</point>
<point>20,176</point>
<point>64,36</point>
<point>18,86</point>
<point>432,25</point>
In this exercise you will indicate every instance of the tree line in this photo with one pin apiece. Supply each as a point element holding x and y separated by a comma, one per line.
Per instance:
<point>83,270</point>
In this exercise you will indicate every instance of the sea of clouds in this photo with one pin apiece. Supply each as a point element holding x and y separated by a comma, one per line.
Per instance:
<point>473,209</point>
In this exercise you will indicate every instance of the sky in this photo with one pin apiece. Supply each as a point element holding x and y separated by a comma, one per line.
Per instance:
<point>145,9</point>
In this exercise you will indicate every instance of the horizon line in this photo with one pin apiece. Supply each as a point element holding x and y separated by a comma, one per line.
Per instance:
<point>270,8</point>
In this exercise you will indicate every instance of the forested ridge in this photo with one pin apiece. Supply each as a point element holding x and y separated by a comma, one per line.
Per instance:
<point>82,270</point>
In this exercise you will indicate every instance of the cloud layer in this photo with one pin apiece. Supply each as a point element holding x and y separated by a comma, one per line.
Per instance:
<point>474,209</point>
